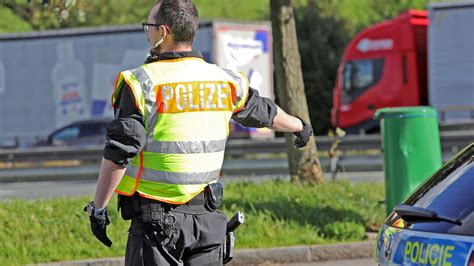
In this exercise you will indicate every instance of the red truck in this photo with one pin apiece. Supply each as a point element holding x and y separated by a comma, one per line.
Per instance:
<point>391,63</point>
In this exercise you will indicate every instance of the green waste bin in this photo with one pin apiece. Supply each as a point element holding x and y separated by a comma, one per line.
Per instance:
<point>411,148</point>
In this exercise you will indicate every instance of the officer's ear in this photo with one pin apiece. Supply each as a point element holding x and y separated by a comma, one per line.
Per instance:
<point>165,31</point>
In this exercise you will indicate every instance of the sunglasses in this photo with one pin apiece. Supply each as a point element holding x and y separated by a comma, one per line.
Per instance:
<point>146,26</point>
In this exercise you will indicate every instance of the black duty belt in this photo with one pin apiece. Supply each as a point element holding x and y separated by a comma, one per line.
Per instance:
<point>199,199</point>
<point>151,210</point>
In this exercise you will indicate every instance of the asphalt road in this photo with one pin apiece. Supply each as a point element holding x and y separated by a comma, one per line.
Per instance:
<point>61,188</point>
<point>354,262</point>
<point>46,189</point>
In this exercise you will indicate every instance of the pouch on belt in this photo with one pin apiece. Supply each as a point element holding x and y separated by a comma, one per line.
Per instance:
<point>213,195</point>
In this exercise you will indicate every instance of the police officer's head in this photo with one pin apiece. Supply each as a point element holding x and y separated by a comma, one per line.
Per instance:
<point>175,24</point>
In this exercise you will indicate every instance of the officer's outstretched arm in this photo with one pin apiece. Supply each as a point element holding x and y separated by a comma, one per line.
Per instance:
<point>284,122</point>
<point>287,123</point>
<point>263,112</point>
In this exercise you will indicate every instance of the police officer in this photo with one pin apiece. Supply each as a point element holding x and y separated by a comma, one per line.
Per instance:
<point>165,147</point>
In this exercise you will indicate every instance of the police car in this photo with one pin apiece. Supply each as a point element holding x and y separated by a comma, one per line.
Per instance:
<point>435,225</point>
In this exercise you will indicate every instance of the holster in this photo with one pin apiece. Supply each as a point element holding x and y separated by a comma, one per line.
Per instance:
<point>229,245</point>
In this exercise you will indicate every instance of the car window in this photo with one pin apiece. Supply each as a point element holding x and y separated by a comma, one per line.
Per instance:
<point>66,134</point>
<point>449,192</point>
<point>359,75</point>
<point>93,129</point>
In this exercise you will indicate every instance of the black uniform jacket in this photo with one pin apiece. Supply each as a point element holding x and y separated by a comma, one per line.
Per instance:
<point>126,133</point>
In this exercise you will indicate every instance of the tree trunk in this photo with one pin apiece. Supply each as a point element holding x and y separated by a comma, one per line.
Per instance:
<point>304,163</point>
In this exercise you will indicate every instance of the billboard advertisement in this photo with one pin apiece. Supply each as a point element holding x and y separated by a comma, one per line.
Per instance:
<point>247,48</point>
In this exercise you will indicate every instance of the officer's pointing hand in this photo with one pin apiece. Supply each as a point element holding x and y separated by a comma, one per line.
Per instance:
<point>99,222</point>
<point>302,137</point>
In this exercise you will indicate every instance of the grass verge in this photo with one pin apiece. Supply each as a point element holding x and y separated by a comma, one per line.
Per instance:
<point>277,214</point>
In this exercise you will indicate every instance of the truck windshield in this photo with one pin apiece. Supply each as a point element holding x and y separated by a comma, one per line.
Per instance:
<point>359,75</point>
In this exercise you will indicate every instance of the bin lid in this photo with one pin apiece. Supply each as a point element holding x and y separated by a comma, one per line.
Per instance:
<point>405,112</point>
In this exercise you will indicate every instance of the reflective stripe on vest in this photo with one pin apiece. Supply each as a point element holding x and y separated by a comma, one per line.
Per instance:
<point>170,193</point>
<point>184,178</point>
<point>186,104</point>
<point>180,147</point>
<point>241,93</point>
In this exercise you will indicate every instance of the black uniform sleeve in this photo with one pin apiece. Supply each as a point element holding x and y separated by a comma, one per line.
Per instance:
<point>126,133</point>
<point>257,112</point>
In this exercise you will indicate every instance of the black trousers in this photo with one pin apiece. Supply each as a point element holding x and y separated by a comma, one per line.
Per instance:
<point>177,238</point>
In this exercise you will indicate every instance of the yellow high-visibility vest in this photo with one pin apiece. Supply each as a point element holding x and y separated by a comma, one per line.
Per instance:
<point>186,106</point>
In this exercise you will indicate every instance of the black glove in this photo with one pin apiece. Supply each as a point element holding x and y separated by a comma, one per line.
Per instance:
<point>99,222</point>
<point>302,137</point>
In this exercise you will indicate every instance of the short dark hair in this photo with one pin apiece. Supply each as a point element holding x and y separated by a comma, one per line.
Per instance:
<point>181,16</point>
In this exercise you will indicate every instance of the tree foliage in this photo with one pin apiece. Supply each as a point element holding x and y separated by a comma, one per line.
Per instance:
<point>233,9</point>
<point>321,41</point>
<point>11,22</point>
<point>363,13</point>
<point>57,14</point>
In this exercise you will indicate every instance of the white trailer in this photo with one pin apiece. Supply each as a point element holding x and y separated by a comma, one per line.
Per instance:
<point>451,59</point>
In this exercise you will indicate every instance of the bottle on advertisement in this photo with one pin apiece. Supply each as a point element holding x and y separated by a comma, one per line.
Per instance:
<point>68,86</point>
